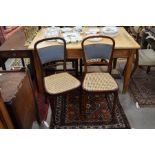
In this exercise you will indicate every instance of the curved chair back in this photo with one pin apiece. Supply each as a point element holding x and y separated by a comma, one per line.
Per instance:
<point>99,52</point>
<point>46,51</point>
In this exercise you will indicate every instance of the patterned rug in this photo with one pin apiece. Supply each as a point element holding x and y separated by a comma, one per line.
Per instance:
<point>142,87</point>
<point>98,112</point>
<point>42,107</point>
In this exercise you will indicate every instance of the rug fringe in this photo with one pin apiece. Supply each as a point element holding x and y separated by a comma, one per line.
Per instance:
<point>137,105</point>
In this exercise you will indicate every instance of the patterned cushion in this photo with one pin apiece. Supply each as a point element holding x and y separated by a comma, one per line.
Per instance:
<point>30,32</point>
<point>99,82</point>
<point>59,83</point>
<point>146,57</point>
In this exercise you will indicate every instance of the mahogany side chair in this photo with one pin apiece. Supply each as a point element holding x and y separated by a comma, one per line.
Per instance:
<point>57,84</point>
<point>144,57</point>
<point>98,50</point>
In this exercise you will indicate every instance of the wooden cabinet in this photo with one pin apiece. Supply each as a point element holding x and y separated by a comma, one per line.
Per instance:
<point>18,96</point>
<point>5,120</point>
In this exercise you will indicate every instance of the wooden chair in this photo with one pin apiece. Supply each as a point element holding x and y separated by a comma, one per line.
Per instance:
<point>144,57</point>
<point>57,84</point>
<point>98,82</point>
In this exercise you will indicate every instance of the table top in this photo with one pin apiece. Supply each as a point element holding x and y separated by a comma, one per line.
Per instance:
<point>122,41</point>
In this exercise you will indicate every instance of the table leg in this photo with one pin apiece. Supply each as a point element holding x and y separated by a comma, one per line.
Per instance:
<point>128,71</point>
<point>3,66</point>
<point>2,62</point>
<point>23,63</point>
<point>80,67</point>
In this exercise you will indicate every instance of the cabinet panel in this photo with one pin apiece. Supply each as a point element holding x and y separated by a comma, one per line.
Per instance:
<point>5,120</point>
<point>18,96</point>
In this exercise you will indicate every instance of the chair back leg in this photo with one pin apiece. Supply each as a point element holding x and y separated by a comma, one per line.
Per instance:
<point>148,69</point>
<point>52,101</point>
<point>115,101</point>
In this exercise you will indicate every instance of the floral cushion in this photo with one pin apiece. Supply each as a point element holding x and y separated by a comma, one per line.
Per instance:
<point>30,32</point>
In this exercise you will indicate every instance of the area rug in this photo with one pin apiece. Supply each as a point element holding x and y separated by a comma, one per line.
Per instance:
<point>97,114</point>
<point>42,107</point>
<point>142,87</point>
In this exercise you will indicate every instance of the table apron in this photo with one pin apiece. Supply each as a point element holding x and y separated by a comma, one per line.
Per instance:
<point>16,54</point>
<point>118,53</point>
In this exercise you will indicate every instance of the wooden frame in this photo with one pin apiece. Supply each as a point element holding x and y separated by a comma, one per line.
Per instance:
<point>37,62</point>
<point>26,53</point>
<point>5,120</point>
<point>109,64</point>
<point>40,77</point>
<point>25,88</point>
<point>105,63</point>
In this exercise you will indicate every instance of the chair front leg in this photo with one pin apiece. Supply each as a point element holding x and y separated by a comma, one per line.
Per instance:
<point>52,105</point>
<point>115,101</point>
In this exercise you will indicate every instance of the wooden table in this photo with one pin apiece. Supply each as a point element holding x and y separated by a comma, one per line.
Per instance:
<point>125,47</point>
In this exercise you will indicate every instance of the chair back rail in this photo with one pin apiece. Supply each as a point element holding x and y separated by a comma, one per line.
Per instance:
<point>96,53</point>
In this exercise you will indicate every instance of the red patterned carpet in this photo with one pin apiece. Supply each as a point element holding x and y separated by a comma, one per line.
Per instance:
<point>97,114</point>
<point>42,107</point>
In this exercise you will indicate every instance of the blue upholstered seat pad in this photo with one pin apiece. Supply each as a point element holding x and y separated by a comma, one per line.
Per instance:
<point>51,53</point>
<point>94,51</point>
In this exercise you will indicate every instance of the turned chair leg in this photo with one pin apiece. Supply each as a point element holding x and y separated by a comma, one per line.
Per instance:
<point>52,105</point>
